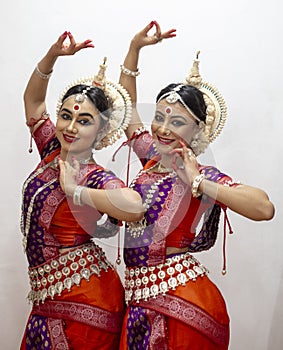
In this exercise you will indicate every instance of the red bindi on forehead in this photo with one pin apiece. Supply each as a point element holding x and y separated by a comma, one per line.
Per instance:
<point>76,107</point>
<point>168,110</point>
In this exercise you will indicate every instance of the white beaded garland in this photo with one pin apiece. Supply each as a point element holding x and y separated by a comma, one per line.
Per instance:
<point>137,228</point>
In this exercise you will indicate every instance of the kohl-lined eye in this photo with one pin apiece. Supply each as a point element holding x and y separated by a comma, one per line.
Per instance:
<point>159,118</point>
<point>178,123</point>
<point>65,116</point>
<point>84,121</point>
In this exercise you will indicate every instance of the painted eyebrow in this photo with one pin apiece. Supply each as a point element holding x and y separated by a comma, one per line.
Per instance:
<point>80,114</point>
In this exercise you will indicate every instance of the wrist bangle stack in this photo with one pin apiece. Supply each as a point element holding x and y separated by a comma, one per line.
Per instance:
<point>77,195</point>
<point>195,185</point>
<point>43,75</point>
<point>129,72</point>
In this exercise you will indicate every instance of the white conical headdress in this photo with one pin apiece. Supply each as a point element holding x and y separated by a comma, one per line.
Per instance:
<point>216,111</point>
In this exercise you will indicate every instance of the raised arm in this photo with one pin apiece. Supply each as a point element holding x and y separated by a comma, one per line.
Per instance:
<point>129,69</point>
<point>35,92</point>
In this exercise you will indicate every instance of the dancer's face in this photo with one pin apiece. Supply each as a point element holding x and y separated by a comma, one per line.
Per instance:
<point>172,123</point>
<point>77,127</point>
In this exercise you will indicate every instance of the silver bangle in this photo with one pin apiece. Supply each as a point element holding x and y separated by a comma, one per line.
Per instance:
<point>77,195</point>
<point>43,75</point>
<point>129,72</point>
<point>195,185</point>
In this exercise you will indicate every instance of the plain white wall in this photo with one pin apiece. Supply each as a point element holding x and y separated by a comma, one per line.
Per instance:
<point>241,54</point>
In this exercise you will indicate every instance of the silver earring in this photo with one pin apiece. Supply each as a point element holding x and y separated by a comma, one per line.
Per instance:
<point>93,150</point>
<point>97,145</point>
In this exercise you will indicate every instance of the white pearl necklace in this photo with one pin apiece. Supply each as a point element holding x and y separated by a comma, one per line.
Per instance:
<point>137,228</point>
<point>30,210</point>
<point>26,228</point>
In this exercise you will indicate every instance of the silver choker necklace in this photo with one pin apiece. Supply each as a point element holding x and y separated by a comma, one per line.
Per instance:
<point>81,161</point>
<point>85,161</point>
<point>162,169</point>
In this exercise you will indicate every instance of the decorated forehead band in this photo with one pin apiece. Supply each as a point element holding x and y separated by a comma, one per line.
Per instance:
<point>81,98</point>
<point>173,97</point>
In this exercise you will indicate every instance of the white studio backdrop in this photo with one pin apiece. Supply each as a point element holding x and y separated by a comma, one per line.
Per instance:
<point>241,54</point>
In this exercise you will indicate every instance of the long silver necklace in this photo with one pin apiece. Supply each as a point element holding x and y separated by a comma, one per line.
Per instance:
<point>137,228</point>
<point>25,228</point>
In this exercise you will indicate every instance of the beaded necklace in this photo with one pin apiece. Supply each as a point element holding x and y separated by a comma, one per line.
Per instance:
<point>55,162</point>
<point>137,228</point>
<point>25,228</point>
